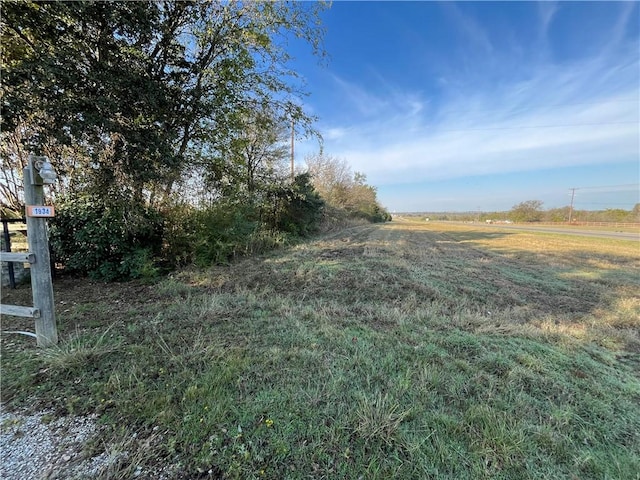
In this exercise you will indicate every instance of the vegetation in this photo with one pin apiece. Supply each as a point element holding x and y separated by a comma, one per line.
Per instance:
<point>529,211</point>
<point>381,351</point>
<point>537,214</point>
<point>402,350</point>
<point>168,124</point>
<point>145,94</point>
<point>107,238</point>
<point>344,190</point>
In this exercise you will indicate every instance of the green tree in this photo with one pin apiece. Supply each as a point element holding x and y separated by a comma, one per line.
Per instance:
<point>255,154</point>
<point>557,214</point>
<point>529,211</point>
<point>143,91</point>
<point>136,101</point>
<point>294,208</point>
<point>615,215</point>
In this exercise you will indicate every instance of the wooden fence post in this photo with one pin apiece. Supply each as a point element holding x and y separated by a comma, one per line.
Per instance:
<point>7,248</point>
<point>38,239</point>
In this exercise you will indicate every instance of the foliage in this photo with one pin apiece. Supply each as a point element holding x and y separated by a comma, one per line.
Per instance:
<point>254,156</point>
<point>241,224</point>
<point>295,209</point>
<point>114,238</point>
<point>345,190</point>
<point>528,211</point>
<point>222,232</point>
<point>218,233</point>
<point>180,233</point>
<point>560,215</point>
<point>139,93</point>
<point>154,97</point>
<point>110,238</point>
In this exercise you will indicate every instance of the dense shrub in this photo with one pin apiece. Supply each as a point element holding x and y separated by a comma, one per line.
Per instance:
<point>295,209</point>
<point>106,237</point>
<point>114,238</point>
<point>180,232</point>
<point>373,213</point>
<point>222,232</point>
<point>216,234</point>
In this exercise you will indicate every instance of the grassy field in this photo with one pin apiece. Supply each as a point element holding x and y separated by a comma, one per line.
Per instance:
<point>406,350</point>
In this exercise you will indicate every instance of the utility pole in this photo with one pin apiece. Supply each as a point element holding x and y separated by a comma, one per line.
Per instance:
<point>573,194</point>
<point>292,152</point>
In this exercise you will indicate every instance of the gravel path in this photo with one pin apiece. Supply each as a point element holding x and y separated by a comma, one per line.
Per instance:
<point>38,447</point>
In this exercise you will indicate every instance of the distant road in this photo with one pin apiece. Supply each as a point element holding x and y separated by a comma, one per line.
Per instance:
<point>571,231</point>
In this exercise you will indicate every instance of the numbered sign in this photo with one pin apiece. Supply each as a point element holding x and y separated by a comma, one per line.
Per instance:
<point>40,211</point>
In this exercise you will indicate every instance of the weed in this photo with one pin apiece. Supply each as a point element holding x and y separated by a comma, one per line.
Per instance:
<point>79,350</point>
<point>379,418</point>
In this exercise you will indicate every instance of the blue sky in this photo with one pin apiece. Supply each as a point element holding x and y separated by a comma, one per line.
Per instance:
<point>481,105</point>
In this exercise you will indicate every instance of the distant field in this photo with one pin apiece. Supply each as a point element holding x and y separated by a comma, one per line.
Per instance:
<point>409,350</point>
<point>595,226</point>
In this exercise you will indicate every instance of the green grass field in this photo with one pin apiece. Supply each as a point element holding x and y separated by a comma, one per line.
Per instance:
<point>406,350</point>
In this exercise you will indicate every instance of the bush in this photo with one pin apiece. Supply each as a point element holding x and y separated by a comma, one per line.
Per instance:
<point>241,226</point>
<point>222,232</point>
<point>107,238</point>
<point>374,214</point>
<point>115,238</point>
<point>180,233</point>
<point>216,234</point>
<point>295,209</point>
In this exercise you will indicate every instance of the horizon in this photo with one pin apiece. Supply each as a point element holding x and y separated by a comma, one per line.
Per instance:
<point>600,207</point>
<point>479,106</point>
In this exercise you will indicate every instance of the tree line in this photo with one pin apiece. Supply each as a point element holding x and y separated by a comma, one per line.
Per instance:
<point>533,211</point>
<point>167,123</point>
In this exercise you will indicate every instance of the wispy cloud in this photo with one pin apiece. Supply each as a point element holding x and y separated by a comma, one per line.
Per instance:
<point>579,113</point>
<point>547,12</point>
<point>628,13</point>
<point>365,102</point>
<point>475,34</point>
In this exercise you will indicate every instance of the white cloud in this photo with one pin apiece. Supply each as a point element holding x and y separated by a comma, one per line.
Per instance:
<point>365,102</point>
<point>334,133</point>
<point>547,12</point>
<point>561,115</point>
<point>476,36</point>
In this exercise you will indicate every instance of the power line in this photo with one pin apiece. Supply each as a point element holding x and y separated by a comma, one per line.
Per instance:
<point>625,185</point>
<point>616,188</point>
<point>606,203</point>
